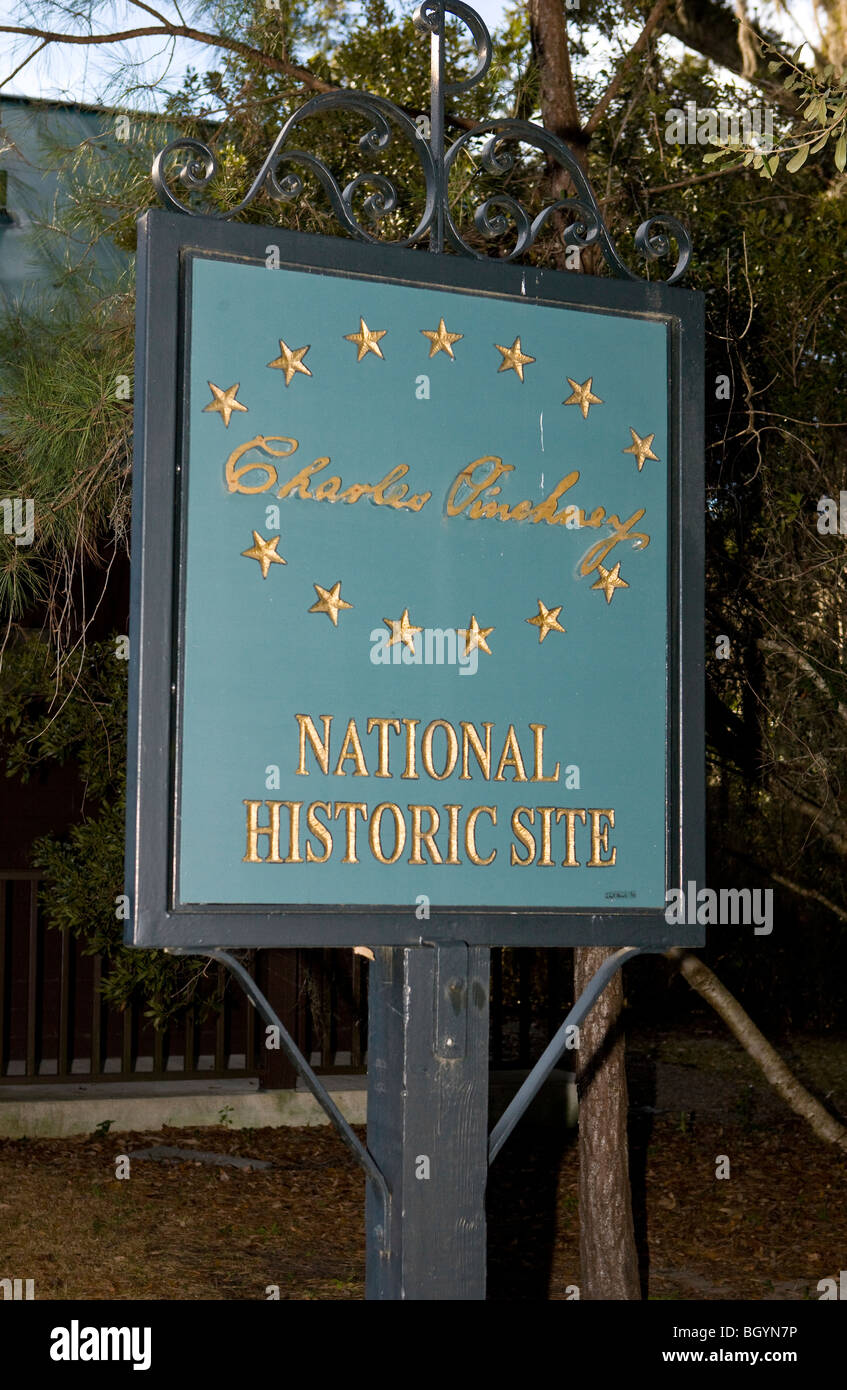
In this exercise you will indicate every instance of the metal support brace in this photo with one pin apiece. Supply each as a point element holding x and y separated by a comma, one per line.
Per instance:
<point>362,1156</point>
<point>548,1059</point>
<point>450,1026</point>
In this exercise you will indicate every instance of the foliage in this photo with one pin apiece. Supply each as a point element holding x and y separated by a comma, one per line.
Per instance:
<point>65,443</point>
<point>77,713</point>
<point>821,98</point>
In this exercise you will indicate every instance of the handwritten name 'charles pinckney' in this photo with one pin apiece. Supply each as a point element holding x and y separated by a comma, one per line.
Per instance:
<point>474,493</point>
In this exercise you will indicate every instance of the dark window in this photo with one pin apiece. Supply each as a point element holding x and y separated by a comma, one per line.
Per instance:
<point>6,218</point>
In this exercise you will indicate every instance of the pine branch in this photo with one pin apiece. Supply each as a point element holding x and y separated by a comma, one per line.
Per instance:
<point>179,31</point>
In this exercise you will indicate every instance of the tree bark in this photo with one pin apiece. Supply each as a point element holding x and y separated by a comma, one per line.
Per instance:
<point>559,110</point>
<point>550,47</point>
<point>607,1253</point>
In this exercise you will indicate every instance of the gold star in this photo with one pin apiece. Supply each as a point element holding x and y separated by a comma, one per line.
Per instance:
<point>475,636</point>
<point>290,361</point>
<point>440,340</point>
<point>609,581</point>
<point>265,552</point>
<point>583,396</point>
<point>367,339</point>
<point>224,402</point>
<point>546,620</point>
<point>402,630</point>
<point>641,448</point>
<point>513,358</point>
<point>329,602</point>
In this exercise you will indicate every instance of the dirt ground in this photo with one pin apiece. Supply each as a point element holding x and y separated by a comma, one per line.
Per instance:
<point>185,1230</point>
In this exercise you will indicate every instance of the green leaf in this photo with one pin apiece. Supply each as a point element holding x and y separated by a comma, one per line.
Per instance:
<point>712,156</point>
<point>810,112</point>
<point>773,163</point>
<point>841,152</point>
<point>819,144</point>
<point>774,67</point>
<point>798,160</point>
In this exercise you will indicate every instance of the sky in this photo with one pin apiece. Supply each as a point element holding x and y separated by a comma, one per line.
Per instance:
<point>81,73</point>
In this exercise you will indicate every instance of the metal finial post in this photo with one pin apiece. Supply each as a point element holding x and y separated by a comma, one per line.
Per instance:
<point>436,126</point>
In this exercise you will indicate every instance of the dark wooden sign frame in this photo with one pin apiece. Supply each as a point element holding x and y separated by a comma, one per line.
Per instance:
<point>166,243</point>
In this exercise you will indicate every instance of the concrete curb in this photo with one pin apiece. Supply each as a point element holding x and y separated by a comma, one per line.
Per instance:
<point>55,1112</point>
<point>56,1116</point>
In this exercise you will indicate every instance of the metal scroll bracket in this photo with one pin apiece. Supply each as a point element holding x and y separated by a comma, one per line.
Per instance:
<point>313,1083</point>
<point>548,1059</point>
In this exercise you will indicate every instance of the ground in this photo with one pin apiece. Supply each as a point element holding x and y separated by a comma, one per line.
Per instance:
<point>771,1230</point>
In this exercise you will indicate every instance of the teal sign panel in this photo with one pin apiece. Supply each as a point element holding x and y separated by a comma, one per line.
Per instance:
<point>424,613</point>
<point>416,616</point>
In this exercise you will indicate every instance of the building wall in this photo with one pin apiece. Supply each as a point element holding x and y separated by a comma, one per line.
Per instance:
<point>29,132</point>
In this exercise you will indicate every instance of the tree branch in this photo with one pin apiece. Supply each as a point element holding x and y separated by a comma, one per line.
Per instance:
<point>696,178</point>
<point>711,29</point>
<point>34,54</point>
<point>148,9</point>
<point>742,1027</point>
<point>168,30</point>
<point>833,831</point>
<point>788,882</point>
<point>180,31</point>
<point>617,81</point>
<point>809,893</point>
<point>769,645</point>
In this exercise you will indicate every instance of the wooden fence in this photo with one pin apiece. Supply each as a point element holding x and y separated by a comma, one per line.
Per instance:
<point>55,1025</point>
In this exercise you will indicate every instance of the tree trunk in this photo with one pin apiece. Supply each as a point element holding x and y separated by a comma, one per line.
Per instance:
<point>559,110</point>
<point>608,1258</point>
<point>607,1254</point>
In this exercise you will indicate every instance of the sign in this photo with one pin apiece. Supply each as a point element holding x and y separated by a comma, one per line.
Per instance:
<point>417,608</point>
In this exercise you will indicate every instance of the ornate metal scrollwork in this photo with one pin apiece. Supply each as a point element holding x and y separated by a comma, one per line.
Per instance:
<point>280,176</point>
<point>280,179</point>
